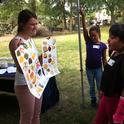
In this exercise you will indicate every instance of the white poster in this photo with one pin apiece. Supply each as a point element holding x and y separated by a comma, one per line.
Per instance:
<point>49,56</point>
<point>27,57</point>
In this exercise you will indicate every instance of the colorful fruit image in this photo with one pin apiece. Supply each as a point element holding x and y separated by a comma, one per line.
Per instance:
<point>21,59</point>
<point>33,55</point>
<point>38,64</point>
<point>49,48</point>
<point>45,66</point>
<point>45,55</point>
<point>45,49</point>
<point>27,76</point>
<point>48,70</point>
<point>32,75</point>
<point>29,71</point>
<point>34,79</point>
<point>18,53</point>
<point>25,66</point>
<point>49,60</point>
<point>30,60</point>
<point>26,56</point>
<point>39,72</point>
<point>25,46</point>
<point>32,67</point>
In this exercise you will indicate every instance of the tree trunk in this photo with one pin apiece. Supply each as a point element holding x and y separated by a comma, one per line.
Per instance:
<point>33,5</point>
<point>112,17</point>
<point>64,16</point>
<point>71,19</point>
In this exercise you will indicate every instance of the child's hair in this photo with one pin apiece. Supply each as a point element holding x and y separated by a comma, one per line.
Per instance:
<point>117,30</point>
<point>24,17</point>
<point>95,28</point>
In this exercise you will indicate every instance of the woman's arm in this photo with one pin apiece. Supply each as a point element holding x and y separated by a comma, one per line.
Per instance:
<point>13,45</point>
<point>85,31</point>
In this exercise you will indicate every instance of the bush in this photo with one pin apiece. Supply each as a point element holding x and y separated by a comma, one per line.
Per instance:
<point>43,31</point>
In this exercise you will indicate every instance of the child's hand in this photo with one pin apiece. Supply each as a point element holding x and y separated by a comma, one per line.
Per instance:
<point>81,11</point>
<point>100,94</point>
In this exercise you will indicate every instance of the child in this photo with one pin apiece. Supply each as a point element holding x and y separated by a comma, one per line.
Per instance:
<point>111,107</point>
<point>95,57</point>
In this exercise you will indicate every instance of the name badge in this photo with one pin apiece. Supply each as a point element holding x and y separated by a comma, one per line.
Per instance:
<point>96,46</point>
<point>111,62</point>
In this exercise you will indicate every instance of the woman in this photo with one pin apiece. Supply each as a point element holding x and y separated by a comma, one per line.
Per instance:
<point>30,106</point>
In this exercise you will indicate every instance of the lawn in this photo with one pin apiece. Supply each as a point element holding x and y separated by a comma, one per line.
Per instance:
<point>69,110</point>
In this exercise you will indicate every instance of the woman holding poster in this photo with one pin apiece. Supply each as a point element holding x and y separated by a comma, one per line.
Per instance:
<point>25,56</point>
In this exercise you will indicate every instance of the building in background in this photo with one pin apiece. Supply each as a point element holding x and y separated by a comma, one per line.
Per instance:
<point>102,17</point>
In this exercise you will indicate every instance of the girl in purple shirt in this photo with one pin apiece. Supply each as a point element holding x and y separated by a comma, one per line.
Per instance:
<point>95,57</point>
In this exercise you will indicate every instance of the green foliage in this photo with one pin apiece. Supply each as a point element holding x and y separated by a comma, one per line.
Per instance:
<point>10,8</point>
<point>52,13</point>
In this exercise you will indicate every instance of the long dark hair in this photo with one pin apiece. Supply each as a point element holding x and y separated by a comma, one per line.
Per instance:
<point>23,18</point>
<point>117,30</point>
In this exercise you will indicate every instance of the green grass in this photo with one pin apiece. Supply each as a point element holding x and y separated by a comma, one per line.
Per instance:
<point>68,111</point>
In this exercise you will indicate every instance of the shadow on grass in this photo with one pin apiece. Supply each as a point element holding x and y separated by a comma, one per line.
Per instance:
<point>9,109</point>
<point>8,102</point>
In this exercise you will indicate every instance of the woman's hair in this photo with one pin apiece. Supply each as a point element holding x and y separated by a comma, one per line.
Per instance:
<point>24,17</point>
<point>117,30</point>
<point>95,28</point>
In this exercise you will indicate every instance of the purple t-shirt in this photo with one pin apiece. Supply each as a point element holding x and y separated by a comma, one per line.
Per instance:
<point>94,53</point>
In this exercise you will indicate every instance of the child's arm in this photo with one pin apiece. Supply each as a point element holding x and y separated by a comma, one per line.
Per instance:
<point>104,59</point>
<point>85,32</point>
<point>122,94</point>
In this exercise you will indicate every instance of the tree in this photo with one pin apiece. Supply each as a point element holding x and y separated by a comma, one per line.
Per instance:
<point>113,7</point>
<point>33,5</point>
<point>56,9</point>
<point>9,10</point>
